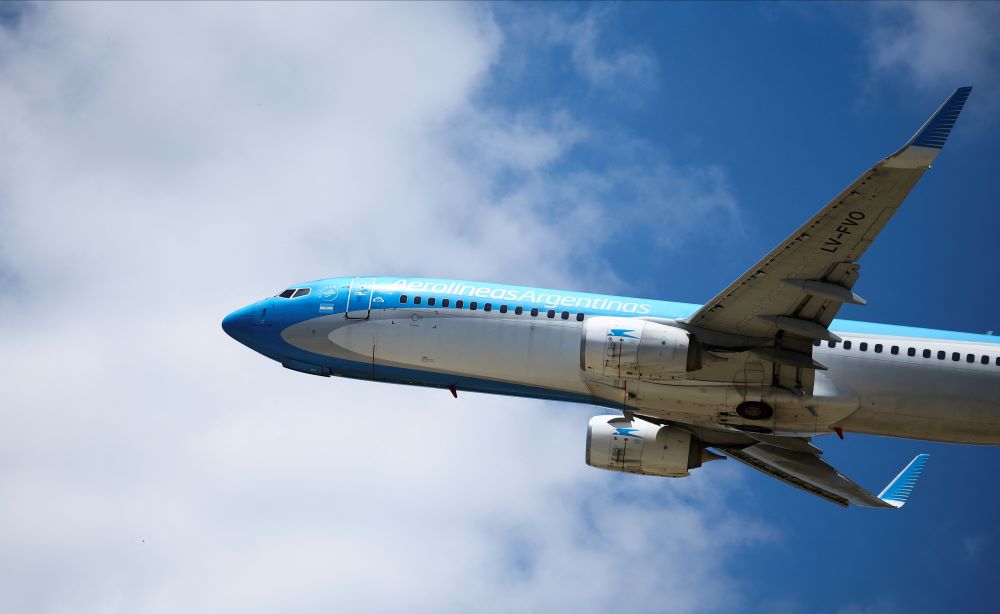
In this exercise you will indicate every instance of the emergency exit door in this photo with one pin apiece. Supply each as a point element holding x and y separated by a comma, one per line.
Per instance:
<point>359,299</point>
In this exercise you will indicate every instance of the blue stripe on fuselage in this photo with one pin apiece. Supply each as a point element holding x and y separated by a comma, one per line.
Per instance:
<point>390,289</point>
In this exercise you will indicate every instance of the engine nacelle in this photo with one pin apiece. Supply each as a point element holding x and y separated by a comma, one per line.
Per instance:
<point>630,348</point>
<point>637,446</point>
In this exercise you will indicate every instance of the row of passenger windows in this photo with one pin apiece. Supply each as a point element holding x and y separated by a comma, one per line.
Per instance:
<point>294,293</point>
<point>895,349</point>
<point>474,305</point>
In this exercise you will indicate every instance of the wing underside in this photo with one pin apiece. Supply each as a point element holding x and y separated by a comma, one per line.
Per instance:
<point>812,474</point>
<point>805,471</point>
<point>774,313</point>
<point>779,307</point>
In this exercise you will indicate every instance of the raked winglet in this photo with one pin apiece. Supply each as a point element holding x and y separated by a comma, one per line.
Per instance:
<point>921,150</point>
<point>898,490</point>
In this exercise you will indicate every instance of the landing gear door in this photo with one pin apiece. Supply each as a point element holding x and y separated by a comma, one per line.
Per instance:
<point>359,299</point>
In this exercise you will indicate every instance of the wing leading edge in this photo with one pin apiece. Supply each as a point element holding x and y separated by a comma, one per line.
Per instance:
<point>788,299</point>
<point>783,304</point>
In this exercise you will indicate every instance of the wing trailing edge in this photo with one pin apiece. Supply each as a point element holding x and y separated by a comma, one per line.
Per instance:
<point>805,470</point>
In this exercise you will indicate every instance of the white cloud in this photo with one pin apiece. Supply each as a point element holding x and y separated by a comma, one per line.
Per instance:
<point>165,164</point>
<point>582,35</point>
<point>937,44</point>
<point>579,34</point>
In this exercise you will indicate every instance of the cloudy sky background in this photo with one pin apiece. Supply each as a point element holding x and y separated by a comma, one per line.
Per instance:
<point>164,165</point>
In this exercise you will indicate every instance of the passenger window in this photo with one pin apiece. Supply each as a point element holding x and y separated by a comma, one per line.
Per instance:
<point>941,355</point>
<point>894,350</point>
<point>488,307</point>
<point>970,358</point>
<point>817,342</point>
<point>579,317</point>
<point>431,301</point>
<point>956,356</point>
<point>913,352</point>
<point>459,304</point>
<point>402,299</point>
<point>985,360</point>
<point>301,292</point>
<point>445,302</point>
<point>565,315</point>
<point>831,344</point>
<point>518,310</point>
<point>847,345</point>
<point>878,348</point>
<point>864,346</point>
<point>534,311</point>
<point>416,300</point>
<point>998,361</point>
<point>287,293</point>
<point>551,313</point>
<point>503,308</point>
<point>473,305</point>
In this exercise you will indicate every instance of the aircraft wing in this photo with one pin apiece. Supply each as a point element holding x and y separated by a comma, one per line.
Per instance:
<point>806,470</point>
<point>788,299</point>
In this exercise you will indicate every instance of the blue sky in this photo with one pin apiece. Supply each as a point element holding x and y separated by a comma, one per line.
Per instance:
<point>164,165</point>
<point>791,104</point>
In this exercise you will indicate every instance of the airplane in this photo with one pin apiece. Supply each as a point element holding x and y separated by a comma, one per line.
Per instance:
<point>754,374</point>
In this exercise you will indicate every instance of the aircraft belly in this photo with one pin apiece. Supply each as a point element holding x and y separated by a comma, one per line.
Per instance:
<point>358,338</point>
<point>874,395</point>
<point>691,403</point>
<point>543,354</point>
<point>333,336</point>
<point>933,401</point>
<point>704,402</point>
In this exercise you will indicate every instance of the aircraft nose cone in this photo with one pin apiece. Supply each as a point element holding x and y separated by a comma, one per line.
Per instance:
<point>238,325</point>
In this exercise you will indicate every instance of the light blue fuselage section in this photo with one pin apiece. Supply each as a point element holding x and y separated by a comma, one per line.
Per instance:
<point>484,337</point>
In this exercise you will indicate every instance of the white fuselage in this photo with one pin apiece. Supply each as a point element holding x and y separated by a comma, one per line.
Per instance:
<point>878,390</point>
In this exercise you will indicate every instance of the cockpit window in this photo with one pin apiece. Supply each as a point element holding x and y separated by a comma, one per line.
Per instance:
<point>294,293</point>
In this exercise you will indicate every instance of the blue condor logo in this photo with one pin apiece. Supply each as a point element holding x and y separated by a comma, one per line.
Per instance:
<point>622,332</point>
<point>627,433</point>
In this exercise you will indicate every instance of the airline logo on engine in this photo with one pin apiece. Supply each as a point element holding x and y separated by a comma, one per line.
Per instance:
<point>627,432</point>
<point>622,332</point>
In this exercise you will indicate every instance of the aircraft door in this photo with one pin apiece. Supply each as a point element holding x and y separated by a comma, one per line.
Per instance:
<point>359,299</point>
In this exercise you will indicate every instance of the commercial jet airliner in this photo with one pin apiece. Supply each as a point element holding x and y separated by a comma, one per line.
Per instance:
<point>754,374</point>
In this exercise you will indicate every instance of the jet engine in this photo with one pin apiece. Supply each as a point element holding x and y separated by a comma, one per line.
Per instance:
<point>630,348</point>
<point>637,446</point>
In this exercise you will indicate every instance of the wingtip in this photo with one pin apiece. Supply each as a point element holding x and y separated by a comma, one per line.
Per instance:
<point>900,488</point>
<point>935,132</point>
<point>925,145</point>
